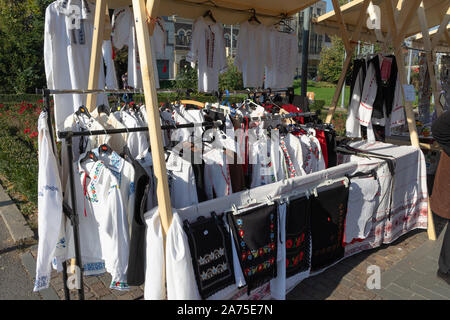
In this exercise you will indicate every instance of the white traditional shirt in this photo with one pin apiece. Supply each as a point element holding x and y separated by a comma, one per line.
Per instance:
<point>184,116</point>
<point>124,173</point>
<point>116,141</point>
<point>217,174</point>
<point>111,75</point>
<point>253,53</point>
<point>103,201</point>
<point>208,50</point>
<point>50,214</point>
<point>280,71</point>
<point>352,124</point>
<point>137,141</point>
<point>67,56</point>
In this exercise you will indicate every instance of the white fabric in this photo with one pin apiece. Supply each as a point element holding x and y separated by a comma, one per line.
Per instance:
<point>124,173</point>
<point>124,33</point>
<point>184,116</point>
<point>352,124</point>
<point>278,284</point>
<point>67,60</point>
<point>208,50</point>
<point>154,287</point>
<point>284,54</point>
<point>362,202</point>
<point>116,141</point>
<point>217,175</point>
<point>180,279</point>
<point>111,75</point>
<point>253,53</point>
<point>397,117</point>
<point>137,141</point>
<point>294,148</point>
<point>49,205</point>
<point>369,94</point>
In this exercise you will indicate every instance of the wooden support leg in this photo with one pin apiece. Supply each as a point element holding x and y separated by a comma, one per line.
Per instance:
<point>96,53</point>
<point>151,103</point>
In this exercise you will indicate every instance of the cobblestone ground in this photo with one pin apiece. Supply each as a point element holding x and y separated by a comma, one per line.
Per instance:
<point>344,281</point>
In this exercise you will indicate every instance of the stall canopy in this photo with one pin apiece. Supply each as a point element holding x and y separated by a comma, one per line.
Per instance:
<point>435,10</point>
<point>225,11</point>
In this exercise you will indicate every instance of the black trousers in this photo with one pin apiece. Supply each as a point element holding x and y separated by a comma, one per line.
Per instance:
<point>444,257</point>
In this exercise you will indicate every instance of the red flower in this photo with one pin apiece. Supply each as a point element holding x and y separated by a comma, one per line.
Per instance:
<point>27,131</point>
<point>33,134</point>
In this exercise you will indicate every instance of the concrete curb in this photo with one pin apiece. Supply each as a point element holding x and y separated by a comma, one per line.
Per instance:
<point>14,220</point>
<point>29,264</point>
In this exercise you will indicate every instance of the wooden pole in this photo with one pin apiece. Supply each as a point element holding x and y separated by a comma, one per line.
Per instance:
<point>348,59</point>
<point>96,53</point>
<point>411,120</point>
<point>430,55</point>
<point>342,26</point>
<point>151,103</point>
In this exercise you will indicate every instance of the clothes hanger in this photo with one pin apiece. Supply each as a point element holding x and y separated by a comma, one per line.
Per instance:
<point>89,156</point>
<point>103,108</point>
<point>253,18</point>
<point>209,14</point>
<point>82,110</point>
<point>286,28</point>
<point>105,149</point>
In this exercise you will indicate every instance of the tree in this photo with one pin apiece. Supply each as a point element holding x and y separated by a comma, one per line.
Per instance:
<point>232,78</point>
<point>21,45</point>
<point>332,60</point>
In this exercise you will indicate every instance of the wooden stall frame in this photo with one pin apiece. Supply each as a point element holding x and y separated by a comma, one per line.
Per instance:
<point>397,34</point>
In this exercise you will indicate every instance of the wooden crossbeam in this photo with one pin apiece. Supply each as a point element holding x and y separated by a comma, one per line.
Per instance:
<point>442,28</point>
<point>342,26</point>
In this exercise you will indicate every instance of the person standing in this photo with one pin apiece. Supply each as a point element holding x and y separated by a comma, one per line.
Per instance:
<point>440,197</point>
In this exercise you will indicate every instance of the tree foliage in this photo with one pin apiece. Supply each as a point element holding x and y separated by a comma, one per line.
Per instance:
<point>21,45</point>
<point>332,60</point>
<point>232,78</point>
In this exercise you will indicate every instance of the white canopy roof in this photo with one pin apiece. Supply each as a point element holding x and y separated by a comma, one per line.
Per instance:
<point>225,11</point>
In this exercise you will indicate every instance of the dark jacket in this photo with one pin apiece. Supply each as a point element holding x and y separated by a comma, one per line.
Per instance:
<point>440,198</point>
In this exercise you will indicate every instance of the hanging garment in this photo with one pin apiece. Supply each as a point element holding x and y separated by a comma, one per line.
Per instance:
<point>255,234</point>
<point>217,175</point>
<point>278,284</point>
<point>292,153</point>
<point>50,214</point>
<point>328,213</point>
<point>330,136</point>
<point>298,233</point>
<point>116,141</point>
<point>262,167</point>
<point>320,135</point>
<point>352,124</point>
<point>180,279</point>
<point>208,51</point>
<point>397,117</point>
<point>111,75</point>
<point>284,56</point>
<point>125,175</point>
<point>425,91</point>
<point>185,116</point>
<point>362,204</point>
<point>124,33</point>
<point>155,264</point>
<point>67,54</point>
<point>253,53</point>
<point>103,224</point>
<point>210,246</point>
<point>136,261</point>
<point>137,141</point>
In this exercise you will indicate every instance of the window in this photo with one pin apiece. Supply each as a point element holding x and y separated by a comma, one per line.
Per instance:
<point>227,40</point>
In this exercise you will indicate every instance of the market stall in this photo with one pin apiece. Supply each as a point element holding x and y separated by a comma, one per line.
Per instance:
<point>259,243</point>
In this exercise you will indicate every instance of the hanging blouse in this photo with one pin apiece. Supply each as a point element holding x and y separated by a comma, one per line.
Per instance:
<point>208,50</point>
<point>284,54</point>
<point>253,53</point>
<point>50,215</point>
<point>255,234</point>
<point>67,54</point>
<point>327,226</point>
<point>210,246</point>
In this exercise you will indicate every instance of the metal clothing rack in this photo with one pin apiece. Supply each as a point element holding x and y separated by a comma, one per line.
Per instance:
<point>71,212</point>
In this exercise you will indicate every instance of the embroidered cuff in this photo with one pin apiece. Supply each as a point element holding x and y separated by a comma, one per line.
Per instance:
<point>41,282</point>
<point>118,285</point>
